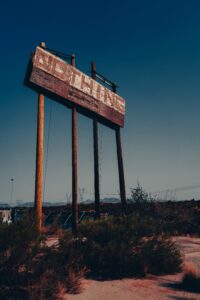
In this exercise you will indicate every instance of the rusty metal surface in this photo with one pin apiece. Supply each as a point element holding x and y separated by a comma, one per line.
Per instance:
<point>54,75</point>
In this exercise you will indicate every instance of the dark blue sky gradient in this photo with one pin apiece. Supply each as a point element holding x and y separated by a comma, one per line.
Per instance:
<point>150,48</point>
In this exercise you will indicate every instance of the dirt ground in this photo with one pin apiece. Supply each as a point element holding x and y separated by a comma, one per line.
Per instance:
<point>151,288</point>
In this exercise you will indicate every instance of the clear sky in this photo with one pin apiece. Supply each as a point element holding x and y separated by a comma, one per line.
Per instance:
<point>150,48</point>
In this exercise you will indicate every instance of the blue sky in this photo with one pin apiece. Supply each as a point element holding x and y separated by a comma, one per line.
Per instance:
<point>150,48</point>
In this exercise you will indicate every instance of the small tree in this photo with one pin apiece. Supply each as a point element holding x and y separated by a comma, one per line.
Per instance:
<point>138,195</point>
<point>143,202</point>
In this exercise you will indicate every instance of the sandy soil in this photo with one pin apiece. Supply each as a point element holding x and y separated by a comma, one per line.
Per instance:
<point>154,287</point>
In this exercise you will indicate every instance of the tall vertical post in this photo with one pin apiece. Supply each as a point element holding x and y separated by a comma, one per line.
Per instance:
<point>74,173</point>
<point>121,168</point>
<point>96,155</point>
<point>96,168</point>
<point>39,161</point>
<point>74,166</point>
<point>120,162</point>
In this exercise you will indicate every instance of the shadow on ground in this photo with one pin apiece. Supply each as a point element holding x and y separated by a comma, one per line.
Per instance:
<point>179,286</point>
<point>182,298</point>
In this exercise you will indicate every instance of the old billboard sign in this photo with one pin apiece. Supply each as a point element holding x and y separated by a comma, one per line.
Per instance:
<point>56,77</point>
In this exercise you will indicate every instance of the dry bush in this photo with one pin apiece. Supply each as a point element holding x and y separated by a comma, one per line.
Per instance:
<point>160,255</point>
<point>30,270</point>
<point>73,282</point>
<point>47,287</point>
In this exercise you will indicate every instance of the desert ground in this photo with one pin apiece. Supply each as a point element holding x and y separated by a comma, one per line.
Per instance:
<point>152,287</point>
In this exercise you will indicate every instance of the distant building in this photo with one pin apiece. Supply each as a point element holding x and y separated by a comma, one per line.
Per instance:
<point>5,213</point>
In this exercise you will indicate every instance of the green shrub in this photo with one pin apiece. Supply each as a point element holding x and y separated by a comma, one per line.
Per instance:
<point>142,201</point>
<point>19,244</point>
<point>108,249</point>
<point>123,247</point>
<point>58,269</point>
<point>160,256</point>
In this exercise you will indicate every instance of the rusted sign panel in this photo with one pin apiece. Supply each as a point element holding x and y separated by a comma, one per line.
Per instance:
<point>54,75</point>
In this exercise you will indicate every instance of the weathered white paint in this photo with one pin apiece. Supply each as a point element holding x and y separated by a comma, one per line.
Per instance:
<point>72,76</point>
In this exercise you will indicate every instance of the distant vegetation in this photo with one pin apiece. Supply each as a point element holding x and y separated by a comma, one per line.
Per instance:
<point>172,217</point>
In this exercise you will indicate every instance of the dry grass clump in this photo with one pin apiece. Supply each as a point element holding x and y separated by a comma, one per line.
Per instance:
<point>29,270</point>
<point>73,284</point>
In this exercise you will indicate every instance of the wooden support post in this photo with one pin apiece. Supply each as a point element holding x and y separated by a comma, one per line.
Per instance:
<point>74,174</point>
<point>74,165</point>
<point>96,155</point>
<point>121,169</point>
<point>96,168</point>
<point>39,159</point>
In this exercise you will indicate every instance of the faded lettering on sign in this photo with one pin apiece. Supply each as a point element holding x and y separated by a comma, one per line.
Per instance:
<point>58,68</point>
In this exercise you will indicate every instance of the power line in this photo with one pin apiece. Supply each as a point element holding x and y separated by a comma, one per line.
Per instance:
<point>177,189</point>
<point>171,192</point>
